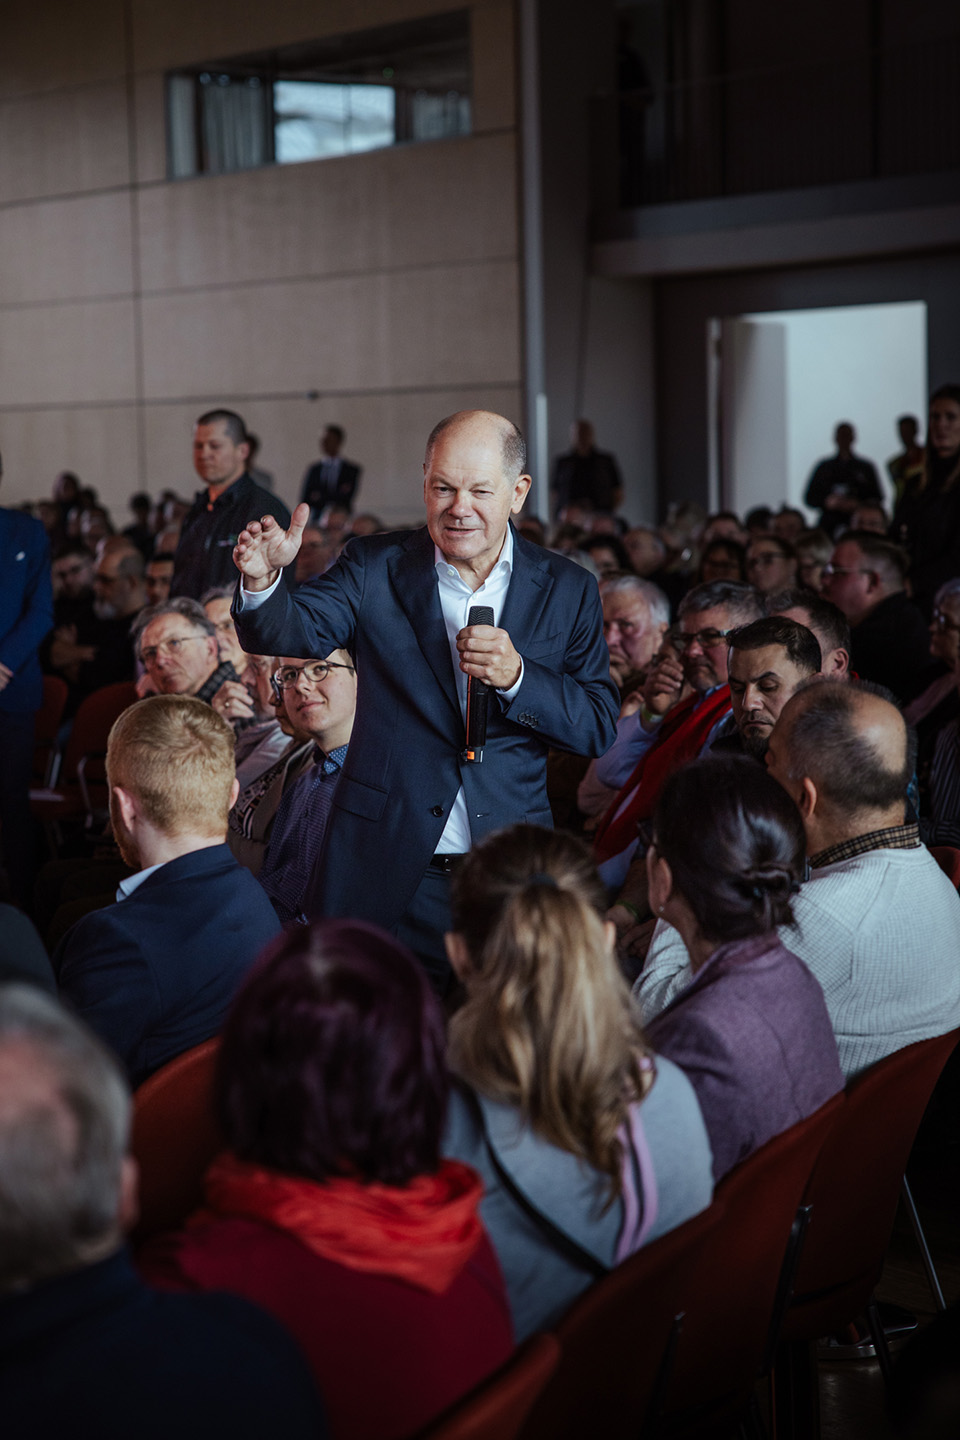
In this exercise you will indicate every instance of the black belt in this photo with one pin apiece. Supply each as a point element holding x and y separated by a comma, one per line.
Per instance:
<point>444,864</point>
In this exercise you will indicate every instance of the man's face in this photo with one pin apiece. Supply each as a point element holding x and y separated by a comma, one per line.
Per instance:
<point>312,556</point>
<point>630,634</point>
<point>323,709</point>
<point>945,632</point>
<point>73,575</point>
<point>768,569</point>
<point>469,500</point>
<point>158,578</point>
<point>705,658</point>
<point>229,646</point>
<point>761,683</point>
<point>943,431</point>
<point>850,583</point>
<point>330,444</point>
<point>216,459</point>
<point>111,591</point>
<point>645,551</point>
<point>179,658</point>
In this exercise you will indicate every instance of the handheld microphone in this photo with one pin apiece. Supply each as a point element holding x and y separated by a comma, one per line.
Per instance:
<point>478,696</point>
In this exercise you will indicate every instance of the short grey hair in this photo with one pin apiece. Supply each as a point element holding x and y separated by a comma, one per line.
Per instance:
<point>514,447</point>
<point>742,602</point>
<point>60,1158</point>
<point>949,590</point>
<point>191,610</point>
<point>657,602</point>
<point>218,592</point>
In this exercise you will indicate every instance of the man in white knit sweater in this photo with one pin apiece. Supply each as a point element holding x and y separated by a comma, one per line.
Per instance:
<point>877,922</point>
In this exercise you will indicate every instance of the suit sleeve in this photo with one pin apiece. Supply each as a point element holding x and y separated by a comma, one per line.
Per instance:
<point>102,973</point>
<point>36,617</point>
<point>574,707</point>
<point>319,617</point>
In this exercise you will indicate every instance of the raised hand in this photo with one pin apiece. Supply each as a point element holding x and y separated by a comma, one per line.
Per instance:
<point>264,548</point>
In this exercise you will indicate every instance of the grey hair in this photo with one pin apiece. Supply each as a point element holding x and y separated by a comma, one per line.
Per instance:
<point>514,447</point>
<point>741,602</point>
<point>191,610</point>
<point>218,592</point>
<point>657,602</point>
<point>949,590</point>
<point>60,1157</point>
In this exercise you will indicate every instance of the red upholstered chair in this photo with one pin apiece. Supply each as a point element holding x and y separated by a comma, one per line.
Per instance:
<point>854,1191</point>
<point>81,788</point>
<point>174,1139</point>
<point>497,1409</point>
<point>45,727</point>
<point>617,1339</point>
<point>726,1333</point>
<point>948,858</point>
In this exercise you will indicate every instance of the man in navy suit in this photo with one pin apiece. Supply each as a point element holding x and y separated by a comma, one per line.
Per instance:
<point>26,617</point>
<point>332,480</point>
<point>408,803</point>
<point>155,973</point>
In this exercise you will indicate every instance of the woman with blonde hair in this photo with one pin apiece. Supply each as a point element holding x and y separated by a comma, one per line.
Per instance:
<point>589,1145</point>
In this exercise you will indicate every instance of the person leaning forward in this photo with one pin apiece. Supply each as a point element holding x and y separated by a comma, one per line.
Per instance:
<point>407,803</point>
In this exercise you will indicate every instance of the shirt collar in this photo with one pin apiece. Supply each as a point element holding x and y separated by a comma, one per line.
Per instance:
<point>332,763</point>
<point>504,560</point>
<point>133,882</point>
<point>895,837</point>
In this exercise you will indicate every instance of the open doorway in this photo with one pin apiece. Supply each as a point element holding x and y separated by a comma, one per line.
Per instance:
<point>781,381</point>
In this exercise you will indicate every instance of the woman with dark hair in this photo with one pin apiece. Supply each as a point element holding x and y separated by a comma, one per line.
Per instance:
<point>751,1030</point>
<point>588,1145</point>
<point>332,1207</point>
<point>723,560</point>
<point>771,564</point>
<point>927,517</point>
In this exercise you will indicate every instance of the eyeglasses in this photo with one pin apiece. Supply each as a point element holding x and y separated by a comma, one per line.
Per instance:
<point>844,570</point>
<point>765,557</point>
<point>941,623</point>
<point>704,638</point>
<point>315,671</point>
<point>168,648</point>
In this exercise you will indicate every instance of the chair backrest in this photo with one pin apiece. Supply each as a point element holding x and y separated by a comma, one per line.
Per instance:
<point>727,1328</point>
<point>92,724</point>
<point>174,1139</point>
<point>948,858</point>
<point>614,1338</point>
<point>855,1186</point>
<point>497,1409</point>
<point>46,725</point>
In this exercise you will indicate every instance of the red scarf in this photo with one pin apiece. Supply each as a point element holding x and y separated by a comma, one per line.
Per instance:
<point>423,1232</point>
<point>681,738</point>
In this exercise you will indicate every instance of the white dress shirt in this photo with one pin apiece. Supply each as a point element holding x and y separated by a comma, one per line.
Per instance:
<point>456,599</point>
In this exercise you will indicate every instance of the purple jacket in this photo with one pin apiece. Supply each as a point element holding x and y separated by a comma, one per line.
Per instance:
<point>753,1035</point>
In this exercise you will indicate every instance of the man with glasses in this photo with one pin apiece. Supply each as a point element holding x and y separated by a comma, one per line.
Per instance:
<point>96,649</point>
<point>866,578</point>
<point>320,700</point>
<point>177,644</point>
<point>662,735</point>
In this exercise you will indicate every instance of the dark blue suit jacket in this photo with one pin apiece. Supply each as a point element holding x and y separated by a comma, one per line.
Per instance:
<point>155,974</point>
<point>96,1355</point>
<point>26,608</point>
<point>403,769</point>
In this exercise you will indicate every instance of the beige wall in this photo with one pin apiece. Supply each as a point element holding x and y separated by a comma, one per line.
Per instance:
<point>380,291</point>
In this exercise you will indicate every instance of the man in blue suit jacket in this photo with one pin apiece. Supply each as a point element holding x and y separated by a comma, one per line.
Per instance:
<point>408,803</point>
<point>155,973</point>
<point>26,617</point>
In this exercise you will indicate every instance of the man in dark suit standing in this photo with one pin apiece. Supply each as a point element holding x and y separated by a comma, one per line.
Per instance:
<point>409,802</point>
<point>155,973</point>
<point>332,480</point>
<point>586,475</point>
<point>26,617</point>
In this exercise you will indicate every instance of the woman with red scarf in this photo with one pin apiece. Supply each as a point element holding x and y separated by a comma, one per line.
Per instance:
<point>332,1207</point>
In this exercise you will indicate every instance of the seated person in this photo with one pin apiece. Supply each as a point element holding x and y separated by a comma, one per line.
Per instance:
<point>320,698</point>
<point>87,1350</point>
<point>332,1206</point>
<point>178,647</point>
<point>751,1030</point>
<point>561,1098</point>
<point>154,974</point>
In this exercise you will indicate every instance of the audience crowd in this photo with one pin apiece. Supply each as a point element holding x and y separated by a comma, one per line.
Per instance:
<point>745,902</point>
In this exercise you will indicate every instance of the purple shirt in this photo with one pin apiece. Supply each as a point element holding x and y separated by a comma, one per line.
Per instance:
<point>753,1035</point>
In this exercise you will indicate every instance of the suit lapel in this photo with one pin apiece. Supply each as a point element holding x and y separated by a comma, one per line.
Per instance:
<point>527,595</point>
<point>414,581</point>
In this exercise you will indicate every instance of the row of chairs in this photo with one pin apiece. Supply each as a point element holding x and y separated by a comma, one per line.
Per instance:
<point>69,783</point>
<point>672,1342</point>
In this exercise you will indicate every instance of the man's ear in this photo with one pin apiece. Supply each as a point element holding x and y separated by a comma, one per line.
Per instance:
<point>659,880</point>
<point>807,800</point>
<point>128,1210</point>
<point>234,792</point>
<point>456,948</point>
<point>128,805</point>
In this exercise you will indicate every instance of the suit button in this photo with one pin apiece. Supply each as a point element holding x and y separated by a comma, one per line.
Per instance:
<point>437,810</point>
